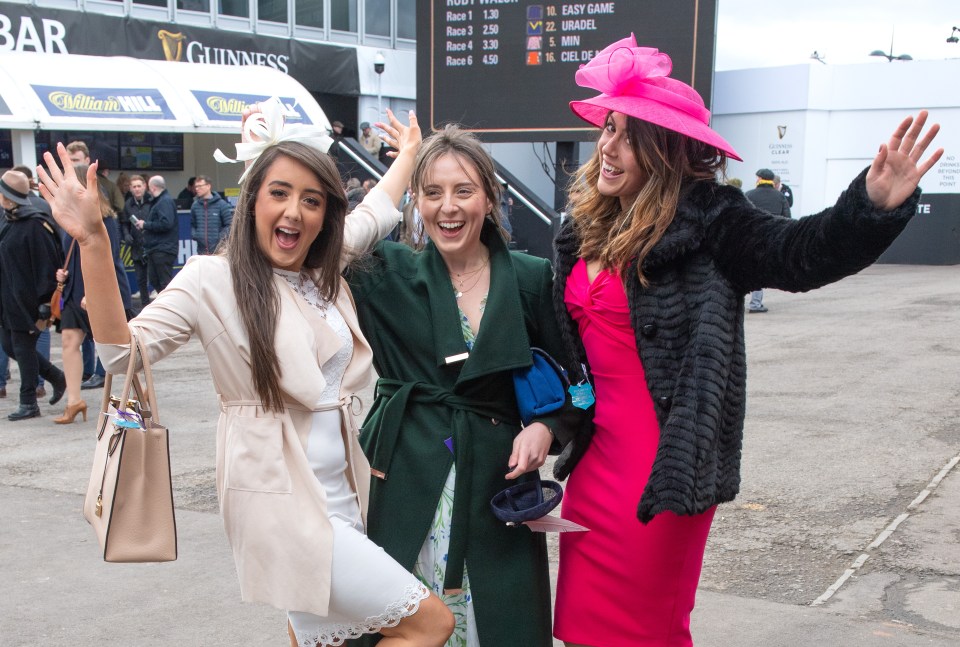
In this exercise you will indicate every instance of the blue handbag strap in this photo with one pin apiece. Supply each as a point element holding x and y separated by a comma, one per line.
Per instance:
<point>562,372</point>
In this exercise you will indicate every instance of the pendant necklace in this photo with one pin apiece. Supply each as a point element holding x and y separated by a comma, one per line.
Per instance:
<point>458,282</point>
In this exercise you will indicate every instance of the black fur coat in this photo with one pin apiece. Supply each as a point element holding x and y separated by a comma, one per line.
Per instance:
<point>689,322</point>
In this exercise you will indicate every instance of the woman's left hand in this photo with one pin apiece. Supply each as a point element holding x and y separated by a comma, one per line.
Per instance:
<point>530,449</point>
<point>83,303</point>
<point>398,136</point>
<point>896,170</point>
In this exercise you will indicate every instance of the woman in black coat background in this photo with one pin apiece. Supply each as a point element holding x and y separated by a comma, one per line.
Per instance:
<point>29,258</point>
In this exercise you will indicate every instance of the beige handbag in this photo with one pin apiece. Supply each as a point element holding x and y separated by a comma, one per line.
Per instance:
<point>129,498</point>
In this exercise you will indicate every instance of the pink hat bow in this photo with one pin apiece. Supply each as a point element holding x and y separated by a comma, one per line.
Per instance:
<point>620,66</point>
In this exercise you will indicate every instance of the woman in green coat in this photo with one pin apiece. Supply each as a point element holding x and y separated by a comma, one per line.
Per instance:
<point>444,435</point>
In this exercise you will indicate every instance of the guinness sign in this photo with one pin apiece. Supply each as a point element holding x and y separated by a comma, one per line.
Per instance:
<point>321,68</point>
<point>172,44</point>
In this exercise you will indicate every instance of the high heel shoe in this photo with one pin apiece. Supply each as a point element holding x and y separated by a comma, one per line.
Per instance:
<point>70,413</point>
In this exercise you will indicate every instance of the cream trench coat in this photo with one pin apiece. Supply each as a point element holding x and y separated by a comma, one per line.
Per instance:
<point>274,509</point>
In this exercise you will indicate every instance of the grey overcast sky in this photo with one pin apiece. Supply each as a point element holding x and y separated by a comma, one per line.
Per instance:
<point>755,33</point>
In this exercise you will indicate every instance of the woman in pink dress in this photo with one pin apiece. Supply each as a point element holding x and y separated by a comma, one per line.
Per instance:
<point>652,269</point>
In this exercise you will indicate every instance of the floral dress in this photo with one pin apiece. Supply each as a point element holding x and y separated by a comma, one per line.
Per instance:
<point>432,561</point>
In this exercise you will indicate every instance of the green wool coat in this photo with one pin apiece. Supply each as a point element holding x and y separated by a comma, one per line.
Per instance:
<point>408,312</point>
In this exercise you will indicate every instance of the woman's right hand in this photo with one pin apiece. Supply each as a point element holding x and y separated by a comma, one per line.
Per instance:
<point>76,208</point>
<point>248,112</point>
<point>62,275</point>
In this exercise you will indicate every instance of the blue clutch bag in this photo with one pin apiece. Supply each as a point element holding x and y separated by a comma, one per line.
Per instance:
<point>541,388</point>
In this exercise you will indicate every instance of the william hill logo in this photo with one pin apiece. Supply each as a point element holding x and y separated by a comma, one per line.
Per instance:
<point>115,104</point>
<point>227,107</point>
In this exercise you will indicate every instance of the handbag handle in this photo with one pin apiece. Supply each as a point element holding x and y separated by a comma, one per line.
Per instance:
<point>108,379</point>
<point>148,397</point>
<point>66,263</point>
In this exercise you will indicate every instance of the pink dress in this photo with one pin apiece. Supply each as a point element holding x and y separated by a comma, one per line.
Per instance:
<point>623,583</point>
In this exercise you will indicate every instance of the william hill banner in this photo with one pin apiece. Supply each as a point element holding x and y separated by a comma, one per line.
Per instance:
<point>318,67</point>
<point>222,106</point>
<point>147,103</point>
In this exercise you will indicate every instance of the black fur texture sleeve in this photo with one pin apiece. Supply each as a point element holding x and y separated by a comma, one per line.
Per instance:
<point>757,250</point>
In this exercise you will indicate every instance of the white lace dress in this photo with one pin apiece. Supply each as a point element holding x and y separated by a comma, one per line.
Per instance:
<point>369,590</point>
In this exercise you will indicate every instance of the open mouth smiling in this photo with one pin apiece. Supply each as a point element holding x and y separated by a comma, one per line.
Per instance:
<point>611,171</point>
<point>451,227</point>
<point>287,238</point>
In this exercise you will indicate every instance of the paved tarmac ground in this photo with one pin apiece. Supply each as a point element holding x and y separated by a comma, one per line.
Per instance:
<point>853,414</point>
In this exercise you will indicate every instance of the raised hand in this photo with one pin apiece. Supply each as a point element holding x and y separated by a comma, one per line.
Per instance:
<point>76,208</point>
<point>398,136</point>
<point>406,139</point>
<point>896,170</point>
<point>248,112</point>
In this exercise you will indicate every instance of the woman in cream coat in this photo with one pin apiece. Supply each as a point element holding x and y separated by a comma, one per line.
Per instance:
<point>274,316</point>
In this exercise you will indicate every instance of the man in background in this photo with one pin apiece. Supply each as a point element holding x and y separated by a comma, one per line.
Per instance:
<point>355,193</point>
<point>160,236</point>
<point>187,194</point>
<point>766,197</point>
<point>210,216</point>
<point>370,140</point>
<point>784,189</point>
<point>80,154</point>
<point>136,209</point>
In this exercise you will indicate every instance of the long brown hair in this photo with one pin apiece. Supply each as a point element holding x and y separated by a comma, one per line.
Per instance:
<point>616,236</point>
<point>106,209</point>
<point>465,147</point>
<point>258,299</point>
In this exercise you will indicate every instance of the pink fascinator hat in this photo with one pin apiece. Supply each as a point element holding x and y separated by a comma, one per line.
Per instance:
<point>633,80</point>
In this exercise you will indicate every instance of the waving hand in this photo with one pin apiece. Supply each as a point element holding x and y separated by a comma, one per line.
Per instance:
<point>896,170</point>
<point>76,208</point>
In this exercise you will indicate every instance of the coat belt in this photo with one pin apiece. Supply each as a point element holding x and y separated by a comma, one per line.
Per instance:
<point>348,406</point>
<point>399,395</point>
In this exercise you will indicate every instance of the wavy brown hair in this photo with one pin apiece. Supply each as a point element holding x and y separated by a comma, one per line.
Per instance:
<point>466,148</point>
<point>618,237</point>
<point>258,299</point>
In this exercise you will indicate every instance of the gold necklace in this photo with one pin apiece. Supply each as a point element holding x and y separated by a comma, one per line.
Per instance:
<point>461,277</point>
